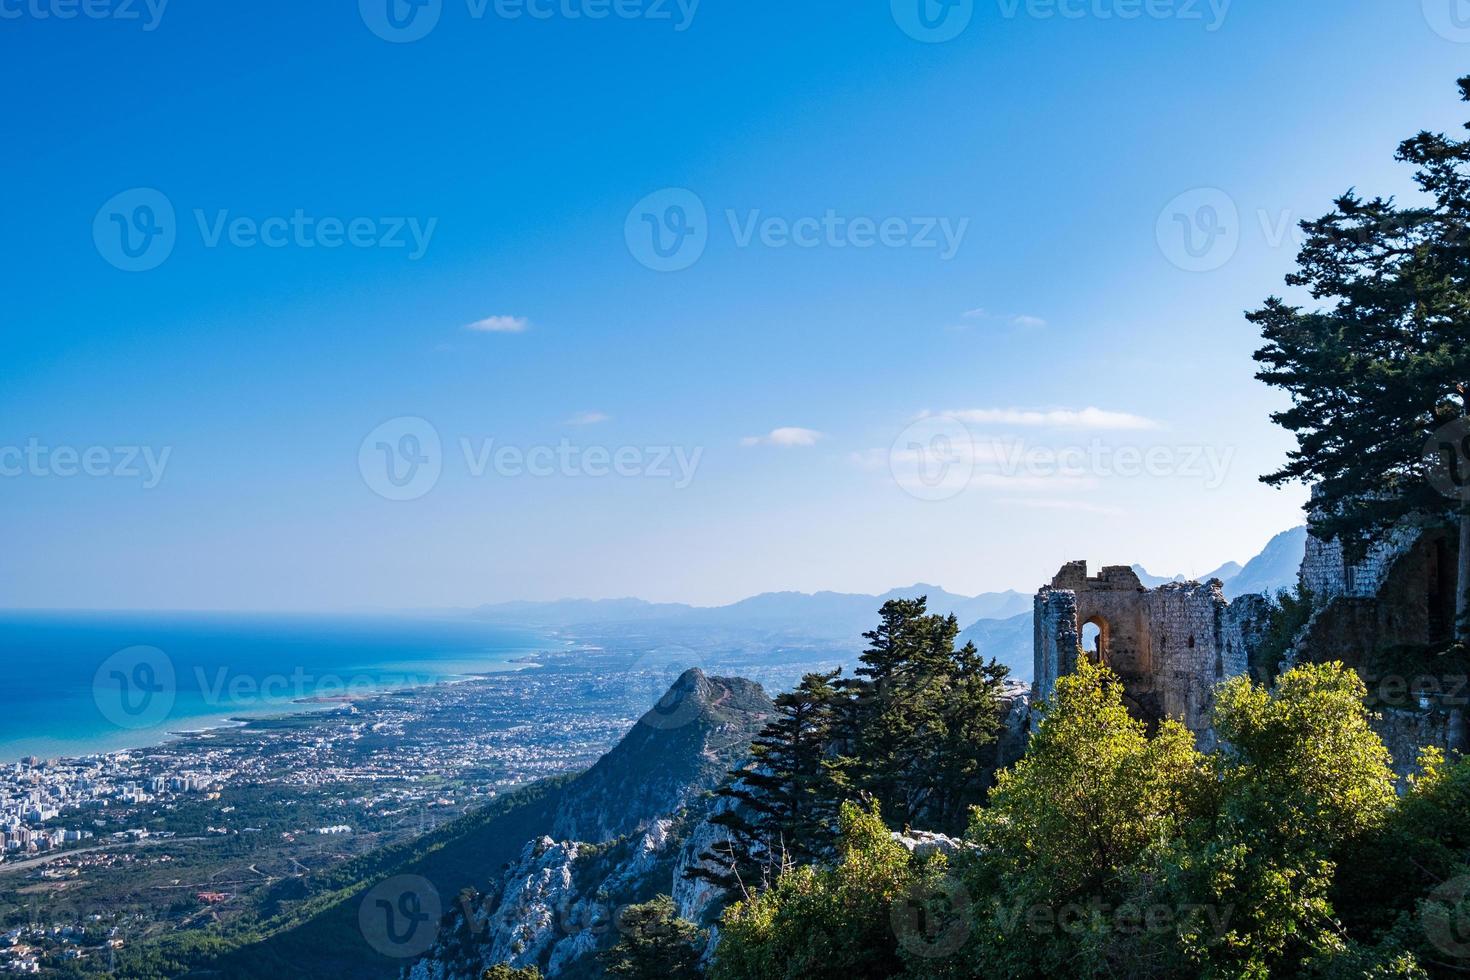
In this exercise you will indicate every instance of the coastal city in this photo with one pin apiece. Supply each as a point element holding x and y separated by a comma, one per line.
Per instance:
<point>106,849</point>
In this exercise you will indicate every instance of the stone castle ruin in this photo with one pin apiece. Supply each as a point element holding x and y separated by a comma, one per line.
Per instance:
<point>1170,646</point>
<point>1173,645</point>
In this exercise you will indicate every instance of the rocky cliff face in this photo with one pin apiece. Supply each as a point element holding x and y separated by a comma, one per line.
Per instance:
<point>622,833</point>
<point>682,747</point>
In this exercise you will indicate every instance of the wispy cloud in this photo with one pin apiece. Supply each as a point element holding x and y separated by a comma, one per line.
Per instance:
<point>1023,320</point>
<point>587,418</point>
<point>786,436</point>
<point>499,324</point>
<point>1055,418</point>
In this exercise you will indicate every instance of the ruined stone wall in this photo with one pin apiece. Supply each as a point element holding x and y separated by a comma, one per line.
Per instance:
<point>1327,574</point>
<point>1412,604</point>
<point>1407,731</point>
<point>1170,646</point>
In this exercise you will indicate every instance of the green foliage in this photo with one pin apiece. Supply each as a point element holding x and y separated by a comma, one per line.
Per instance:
<point>1093,792</point>
<point>823,922</point>
<point>1110,850</point>
<point>1290,611</point>
<point>501,971</point>
<point>655,944</point>
<point>1408,883</point>
<point>1304,775</point>
<point>919,719</point>
<point>914,730</point>
<point>782,798</point>
<point>1385,363</point>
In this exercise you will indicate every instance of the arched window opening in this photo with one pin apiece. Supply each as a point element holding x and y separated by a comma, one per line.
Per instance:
<point>1095,640</point>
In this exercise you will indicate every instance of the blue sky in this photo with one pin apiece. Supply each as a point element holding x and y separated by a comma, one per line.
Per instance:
<point>261,380</point>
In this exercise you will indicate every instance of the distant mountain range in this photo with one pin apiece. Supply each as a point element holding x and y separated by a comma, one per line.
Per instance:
<point>1273,569</point>
<point>999,623</point>
<point>834,615</point>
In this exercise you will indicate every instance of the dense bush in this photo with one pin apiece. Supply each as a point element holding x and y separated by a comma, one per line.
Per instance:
<point>1113,851</point>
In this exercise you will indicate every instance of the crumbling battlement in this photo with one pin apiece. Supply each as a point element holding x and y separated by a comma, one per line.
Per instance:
<point>1170,646</point>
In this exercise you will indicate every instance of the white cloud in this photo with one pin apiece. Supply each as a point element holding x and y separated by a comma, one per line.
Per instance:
<point>587,418</point>
<point>1056,418</point>
<point>1024,320</point>
<point>499,324</point>
<point>786,436</point>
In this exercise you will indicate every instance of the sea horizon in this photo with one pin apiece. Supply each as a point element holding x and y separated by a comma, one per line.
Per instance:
<point>209,670</point>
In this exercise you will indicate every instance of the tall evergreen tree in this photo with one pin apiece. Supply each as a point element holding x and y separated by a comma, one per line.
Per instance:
<point>920,719</point>
<point>655,944</point>
<point>1382,370</point>
<point>781,808</point>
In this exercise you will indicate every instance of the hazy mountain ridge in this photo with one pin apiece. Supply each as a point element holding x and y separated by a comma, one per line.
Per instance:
<point>837,615</point>
<point>845,615</point>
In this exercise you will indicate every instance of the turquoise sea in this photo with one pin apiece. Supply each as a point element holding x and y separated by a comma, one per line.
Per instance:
<point>80,682</point>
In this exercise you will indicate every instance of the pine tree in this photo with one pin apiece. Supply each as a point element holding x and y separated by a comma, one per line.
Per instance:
<point>655,944</point>
<point>1384,368</point>
<point>782,811</point>
<point>920,718</point>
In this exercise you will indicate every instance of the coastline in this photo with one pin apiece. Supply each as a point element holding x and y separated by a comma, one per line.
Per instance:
<point>242,715</point>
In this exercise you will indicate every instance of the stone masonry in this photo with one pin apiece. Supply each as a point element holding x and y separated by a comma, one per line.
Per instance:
<point>1171,646</point>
